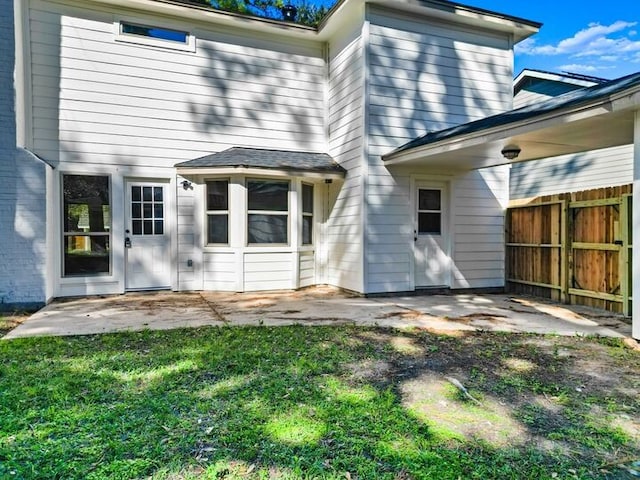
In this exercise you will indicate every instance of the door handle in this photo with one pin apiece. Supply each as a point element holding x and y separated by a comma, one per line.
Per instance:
<point>415,235</point>
<point>127,242</point>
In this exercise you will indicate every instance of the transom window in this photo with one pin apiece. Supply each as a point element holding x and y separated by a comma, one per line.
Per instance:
<point>154,32</point>
<point>268,211</point>
<point>147,210</point>
<point>429,211</point>
<point>155,36</point>
<point>307,214</point>
<point>218,211</point>
<point>86,213</point>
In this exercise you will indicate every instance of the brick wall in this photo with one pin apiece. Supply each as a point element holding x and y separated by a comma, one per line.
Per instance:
<point>22,194</point>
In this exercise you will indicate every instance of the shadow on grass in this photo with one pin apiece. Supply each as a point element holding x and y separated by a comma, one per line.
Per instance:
<point>296,402</point>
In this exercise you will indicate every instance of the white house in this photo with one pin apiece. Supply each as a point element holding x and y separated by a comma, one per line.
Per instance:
<point>180,147</point>
<point>163,145</point>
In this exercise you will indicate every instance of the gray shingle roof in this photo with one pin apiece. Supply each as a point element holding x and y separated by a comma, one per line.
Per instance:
<point>571,99</point>
<point>270,159</point>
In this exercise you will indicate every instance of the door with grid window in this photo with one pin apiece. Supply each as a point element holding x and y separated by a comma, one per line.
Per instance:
<point>147,243</point>
<point>431,236</point>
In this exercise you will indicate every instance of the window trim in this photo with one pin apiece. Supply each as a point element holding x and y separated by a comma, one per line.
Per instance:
<point>310,214</point>
<point>64,234</point>
<point>286,212</point>
<point>439,212</point>
<point>120,36</point>
<point>208,212</point>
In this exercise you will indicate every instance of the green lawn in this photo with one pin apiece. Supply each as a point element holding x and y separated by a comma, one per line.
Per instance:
<point>300,402</point>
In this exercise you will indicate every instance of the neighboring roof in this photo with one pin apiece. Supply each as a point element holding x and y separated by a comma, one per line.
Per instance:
<point>569,100</point>
<point>563,77</point>
<point>240,157</point>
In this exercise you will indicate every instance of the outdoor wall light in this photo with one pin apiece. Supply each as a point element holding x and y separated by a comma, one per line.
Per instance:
<point>186,184</point>
<point>511,152</point>
<point>289,13</point>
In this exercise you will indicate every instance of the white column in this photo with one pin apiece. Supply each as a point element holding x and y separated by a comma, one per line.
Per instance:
<point>635,319</point>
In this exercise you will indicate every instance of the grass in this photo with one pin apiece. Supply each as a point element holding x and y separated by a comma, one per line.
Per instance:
<point>329,403</point>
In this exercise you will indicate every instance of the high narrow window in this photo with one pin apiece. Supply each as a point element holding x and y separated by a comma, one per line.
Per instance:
<point>154,32</point>
<point>218,211</point>
<point>86,212</point>
<point>429,211</point>
<point>154,35</point>
<point>268,212</point>
<point>307,214</point>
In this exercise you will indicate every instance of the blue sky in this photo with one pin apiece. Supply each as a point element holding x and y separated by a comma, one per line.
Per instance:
<point>599,38</point>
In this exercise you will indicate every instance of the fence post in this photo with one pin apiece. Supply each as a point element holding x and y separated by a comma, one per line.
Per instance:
<point>565,267</point>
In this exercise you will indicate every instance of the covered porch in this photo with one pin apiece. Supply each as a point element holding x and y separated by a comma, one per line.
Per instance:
<point>603,116</point>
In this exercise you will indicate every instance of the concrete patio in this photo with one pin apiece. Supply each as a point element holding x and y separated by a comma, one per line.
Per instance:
<point>316,306</point>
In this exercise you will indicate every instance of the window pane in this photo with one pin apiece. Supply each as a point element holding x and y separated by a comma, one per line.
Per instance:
<point>158,210</point>
<point>136,210</point>
<point>218,195</point>
<point>307,198</point>
<point>159,227</point>
<point>218,229</point>
<point>268,228</point>
<point>86,203</point>
<point>147,210</point>
<point>157,194</point>
<point>137,227</point>
<point>429,223</point>
<point>307,230</point>
<point>429,199</point>
<point>155,32</point>
<point>146,194</point>
<point>85,255</point>
<point>148,227</point>
<point>136,194</point>
<point>268,195</point>
<point>86,210</point>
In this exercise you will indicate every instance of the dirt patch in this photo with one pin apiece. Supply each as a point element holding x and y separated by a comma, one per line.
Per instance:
<point>10,321</point>
<point>573,395</point>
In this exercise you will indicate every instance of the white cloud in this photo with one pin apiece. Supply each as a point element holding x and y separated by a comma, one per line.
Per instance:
<point>594,40</point>
<point>581,68</point>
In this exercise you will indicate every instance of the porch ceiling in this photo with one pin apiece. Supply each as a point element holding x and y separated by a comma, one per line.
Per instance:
<point>601,123</point>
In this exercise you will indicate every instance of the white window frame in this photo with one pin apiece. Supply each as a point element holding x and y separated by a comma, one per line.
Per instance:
<point>188,46</point>
<point>304,214</point>
<point>65,234</point>
<point>286,212</point>
<point>226,212</point>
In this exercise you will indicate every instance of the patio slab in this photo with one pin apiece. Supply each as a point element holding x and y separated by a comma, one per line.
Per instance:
<point>316,306</point>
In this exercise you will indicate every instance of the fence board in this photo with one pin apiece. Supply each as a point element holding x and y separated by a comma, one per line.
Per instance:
<point>573,247</point>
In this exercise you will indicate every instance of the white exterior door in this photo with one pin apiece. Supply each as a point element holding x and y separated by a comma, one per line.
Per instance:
<point>432,261</point>
<point>147,239</point>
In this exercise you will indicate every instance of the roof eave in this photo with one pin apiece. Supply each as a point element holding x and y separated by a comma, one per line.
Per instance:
<point>628,99</point>
<point>262,171</point>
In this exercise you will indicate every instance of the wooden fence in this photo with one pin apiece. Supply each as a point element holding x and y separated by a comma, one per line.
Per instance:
<point>573,247</point>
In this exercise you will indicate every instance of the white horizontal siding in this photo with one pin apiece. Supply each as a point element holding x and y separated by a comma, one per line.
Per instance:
<point>572,173</point>
<point>343,233</point>
<point>307,269</point>
<point>101,101</point>
<point>220,271</point>
<point>268,271</point>
<point>426,76</point>
<point>479,199</point>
